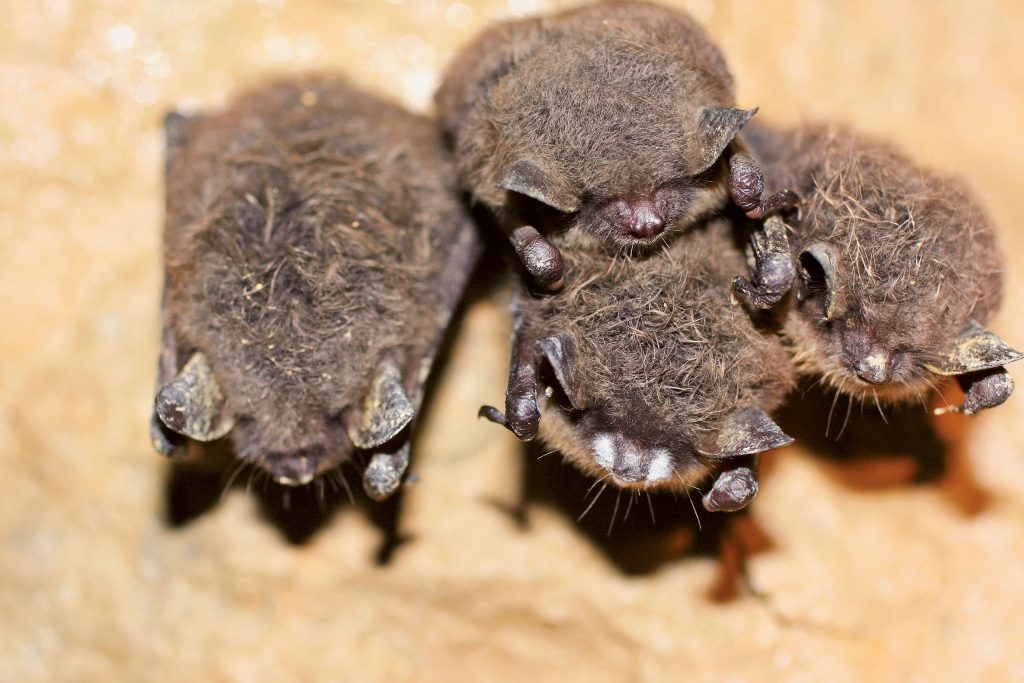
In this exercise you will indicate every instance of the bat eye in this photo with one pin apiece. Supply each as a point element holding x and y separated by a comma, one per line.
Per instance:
<point>817,279</point>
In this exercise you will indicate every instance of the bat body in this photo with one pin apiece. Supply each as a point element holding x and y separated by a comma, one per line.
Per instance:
<point>898,269</point>
<point>601,127</point>
<point>315,249</point>
<point>653,379</point>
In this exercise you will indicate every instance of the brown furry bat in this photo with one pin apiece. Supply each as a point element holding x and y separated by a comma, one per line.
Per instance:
<point>653,378</point>
<point>315,249</point>
<point>898,269</point>
<point>602,125</point>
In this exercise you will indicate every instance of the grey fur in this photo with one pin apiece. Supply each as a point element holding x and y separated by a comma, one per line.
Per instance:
<point>652,357</point>
<point>613,114</point>
<point>905,259</point>
<point>315,249</point>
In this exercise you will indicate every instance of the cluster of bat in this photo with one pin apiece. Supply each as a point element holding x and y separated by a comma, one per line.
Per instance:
<point>318,239</point>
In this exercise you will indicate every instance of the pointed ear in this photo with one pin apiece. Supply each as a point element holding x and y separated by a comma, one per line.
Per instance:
<point>716,128</point>
<point>386,409</point>
<point>165,441</point>
<point>526,177</point>
<point>192,403</point>
<point>176,126</point>
<point>818,277</point>
<point>748,431</point>
<point>974,350</point>
<point>560,351</point>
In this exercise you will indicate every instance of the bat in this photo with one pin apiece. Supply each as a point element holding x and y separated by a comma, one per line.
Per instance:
<point>641,371</point>
<point>315,247</point>
<point>896,272</point>
<point>610,126</point>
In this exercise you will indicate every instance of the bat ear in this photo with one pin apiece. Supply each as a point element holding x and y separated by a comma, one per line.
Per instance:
<point>748,431</point>
<point>192,404</point>
<point>527,177</point>
<point>176,127</point>
<point>716,128</point>
<point>818,277</point>
<point>560,351</point>
<point>386,409</point>
<point>165,441</point>
<point>974,350</point>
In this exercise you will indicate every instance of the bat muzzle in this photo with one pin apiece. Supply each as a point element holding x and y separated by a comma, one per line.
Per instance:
<point>630,462</point>
<point>291,469</point>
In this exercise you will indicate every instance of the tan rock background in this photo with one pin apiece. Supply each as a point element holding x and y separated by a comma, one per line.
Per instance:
<point>113,567</point>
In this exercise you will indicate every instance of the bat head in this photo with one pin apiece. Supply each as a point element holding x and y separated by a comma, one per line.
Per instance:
<point>294,436</point>
<point>300,298</point>
<point>896,264</point>
<point>653,380</point>
<point>611,118</point>
<point>631,441</point>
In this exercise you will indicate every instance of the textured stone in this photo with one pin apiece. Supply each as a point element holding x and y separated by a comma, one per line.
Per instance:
<point>115,567</point>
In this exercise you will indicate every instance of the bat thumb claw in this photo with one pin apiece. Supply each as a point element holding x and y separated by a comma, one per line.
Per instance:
<point>492,414</point>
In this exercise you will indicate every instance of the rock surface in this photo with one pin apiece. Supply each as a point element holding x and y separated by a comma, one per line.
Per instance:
<point>875,566</point>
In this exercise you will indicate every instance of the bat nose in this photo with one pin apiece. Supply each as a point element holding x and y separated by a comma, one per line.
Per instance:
<point>629,470</point>
<point>876,367</point>
<point>647,221</point>
<point>292,470</point>
<point>630,461</point>
<point>640,215</point>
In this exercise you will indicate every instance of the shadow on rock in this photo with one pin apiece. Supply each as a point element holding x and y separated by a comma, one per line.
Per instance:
<point>639,532</point>
<point>196,484</point>
<point>865,448</point>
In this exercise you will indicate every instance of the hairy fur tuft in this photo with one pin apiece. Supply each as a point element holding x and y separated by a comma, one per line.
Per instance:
<point>665,355</point>
<point>307,232</point>
<point>606,97</point>
<point>915,256</point>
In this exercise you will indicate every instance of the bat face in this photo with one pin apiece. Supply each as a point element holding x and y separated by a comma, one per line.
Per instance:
<point>652,379</point>
<point>315,443</point>
<point>884,352</point>
<point>612,115</point>
<point>314,251</point>
<point>634,220</point>
<point>898,266</point>
<point>642,217</point>
<point>895,264</point>
<point>622,451</point>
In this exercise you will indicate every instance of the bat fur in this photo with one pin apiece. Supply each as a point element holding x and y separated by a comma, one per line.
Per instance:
<point>896,263</point>
<point>315,247</point>
<point>654,370</point>
<point>597,127</point>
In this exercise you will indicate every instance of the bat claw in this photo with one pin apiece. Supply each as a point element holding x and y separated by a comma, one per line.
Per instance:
<point>524,426</point>
<point>492,414</point>
<point>383,475</point>
<point>774,268</point>
<point>780,201</point>
<point>733,489</point>
<point>541,259</point>
<point>746,187</point>
<point>759,296</point>
<point>985,390</point>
